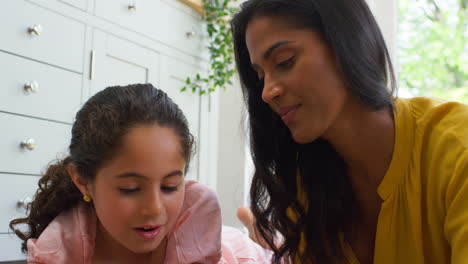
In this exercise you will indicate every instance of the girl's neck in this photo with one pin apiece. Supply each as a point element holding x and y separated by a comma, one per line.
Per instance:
<point>107,250</point>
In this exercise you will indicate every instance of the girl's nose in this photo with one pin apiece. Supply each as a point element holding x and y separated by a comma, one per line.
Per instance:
<point>153,204</point>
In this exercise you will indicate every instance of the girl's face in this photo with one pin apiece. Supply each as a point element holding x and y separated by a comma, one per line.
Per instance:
<point>301,80</point>
<point>138,194</point>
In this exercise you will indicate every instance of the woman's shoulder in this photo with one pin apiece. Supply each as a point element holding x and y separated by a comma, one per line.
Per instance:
<point>69,238</point>
<point>438,125</point>
<point>441,135</point>
<point>438,115</point>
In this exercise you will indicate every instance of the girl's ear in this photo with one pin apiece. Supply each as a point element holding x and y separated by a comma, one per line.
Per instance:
<point>80,183</point>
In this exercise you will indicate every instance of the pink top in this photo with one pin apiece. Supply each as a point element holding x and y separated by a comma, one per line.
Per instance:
<point>196,237</point>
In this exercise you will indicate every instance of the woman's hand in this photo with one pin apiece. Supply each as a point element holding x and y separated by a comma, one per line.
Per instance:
<point>248,220</point>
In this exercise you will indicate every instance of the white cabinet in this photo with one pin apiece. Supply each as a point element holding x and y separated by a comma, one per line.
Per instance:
<point>120,62</point>
<point>173,75</point>
<point>39,34</point>
<point>29,144</point>
<point>158,20</point>
<point>18,190</point>
<point>11,248</point>
<point>27,85</point>
<point>81,4</point>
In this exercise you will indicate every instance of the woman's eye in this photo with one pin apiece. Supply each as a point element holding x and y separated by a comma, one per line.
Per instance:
<point>128,190</point>
<point>286,63</point>
<point>260,76</point>
<point>169,189</point>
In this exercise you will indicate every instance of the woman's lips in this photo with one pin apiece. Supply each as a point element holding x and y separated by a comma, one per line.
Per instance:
<point>148,232</point>
<point>288,113</point>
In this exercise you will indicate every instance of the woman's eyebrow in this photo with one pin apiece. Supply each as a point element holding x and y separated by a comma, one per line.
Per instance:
<point>270,50</point>
<point>276,45</point>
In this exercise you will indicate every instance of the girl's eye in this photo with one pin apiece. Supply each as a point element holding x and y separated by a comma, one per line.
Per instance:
<point>169,189</point>
<point>286,63</point>
<point>129,190</point>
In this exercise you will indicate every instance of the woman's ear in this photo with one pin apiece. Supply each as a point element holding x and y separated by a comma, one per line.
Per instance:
<point>80,183</point>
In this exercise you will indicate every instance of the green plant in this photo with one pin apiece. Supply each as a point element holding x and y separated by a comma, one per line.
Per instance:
<point>217,15</point>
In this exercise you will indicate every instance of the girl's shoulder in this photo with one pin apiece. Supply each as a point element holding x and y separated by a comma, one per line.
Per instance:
<point>199,236</point>
<point>197,193</point>
<point>69,238</point>
<point>238,248</point>
<point>196,237</point>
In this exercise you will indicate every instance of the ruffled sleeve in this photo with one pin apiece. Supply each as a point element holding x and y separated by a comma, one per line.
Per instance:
<point>196,238</point>
<point>238,248</point>
<point>69,238</point>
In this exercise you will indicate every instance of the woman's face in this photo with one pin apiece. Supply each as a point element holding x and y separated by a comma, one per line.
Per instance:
<point>138,194</point>
<point>301,81</point>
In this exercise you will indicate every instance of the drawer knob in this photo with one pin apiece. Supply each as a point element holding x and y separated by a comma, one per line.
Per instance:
<point>35,30</point>
<point>31,87</point>
<point>190,34</point>
<point>23,203</point>
<point>132,7</point>
<point>28,144</point>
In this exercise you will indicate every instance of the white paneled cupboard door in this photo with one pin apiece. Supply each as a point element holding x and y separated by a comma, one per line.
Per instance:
<point>116,61</point>
<point>173,75</point>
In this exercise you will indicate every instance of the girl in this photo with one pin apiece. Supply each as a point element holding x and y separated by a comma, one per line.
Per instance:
<point>343,171</point>
<point>120,196</point>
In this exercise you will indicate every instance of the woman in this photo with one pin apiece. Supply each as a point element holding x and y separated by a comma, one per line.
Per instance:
<point>345,172</point>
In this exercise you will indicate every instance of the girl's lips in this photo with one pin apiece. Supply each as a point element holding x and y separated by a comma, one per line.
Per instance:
<point>288,113</point>
<point>148,232</point>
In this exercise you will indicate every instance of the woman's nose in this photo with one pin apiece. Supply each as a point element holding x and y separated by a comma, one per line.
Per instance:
<point>271,90</point>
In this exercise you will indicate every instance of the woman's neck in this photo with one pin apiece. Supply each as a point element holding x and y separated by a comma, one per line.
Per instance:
<point>107,250</point>
<point>365,140</point>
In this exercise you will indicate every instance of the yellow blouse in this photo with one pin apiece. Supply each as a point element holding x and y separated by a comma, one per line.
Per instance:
<point>424,214</point>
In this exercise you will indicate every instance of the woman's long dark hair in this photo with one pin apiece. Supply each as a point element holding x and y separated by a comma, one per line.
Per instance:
<point>281,164</point>
<point>96,136</point>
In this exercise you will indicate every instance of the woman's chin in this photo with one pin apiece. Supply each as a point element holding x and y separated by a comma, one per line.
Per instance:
<point>303,137</point>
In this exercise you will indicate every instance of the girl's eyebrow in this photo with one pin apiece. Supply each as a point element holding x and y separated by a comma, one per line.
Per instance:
<point>174,173</point>
<point>138,175</point>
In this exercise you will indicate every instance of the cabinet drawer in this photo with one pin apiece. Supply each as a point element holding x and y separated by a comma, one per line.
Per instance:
<point>17,189</point>
<point>51,141</point>
<point>158,20</point>
<point>37,33</point>
<point>57,92</point>
<point>81,4</point>
<point>11,248</point>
